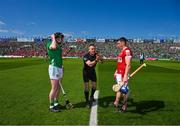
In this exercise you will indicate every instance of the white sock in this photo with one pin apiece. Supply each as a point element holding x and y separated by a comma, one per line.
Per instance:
<point>55,104</point>
<point>51,106</point>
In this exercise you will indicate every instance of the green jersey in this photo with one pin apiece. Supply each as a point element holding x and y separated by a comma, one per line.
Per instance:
<point>55,55</point>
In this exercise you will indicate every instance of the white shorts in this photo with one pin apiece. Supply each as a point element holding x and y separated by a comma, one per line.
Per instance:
<point>119,78</point>
<point>55,73</point>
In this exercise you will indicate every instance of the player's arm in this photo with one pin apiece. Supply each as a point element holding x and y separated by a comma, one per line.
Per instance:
<point>53,44</point>
<point>128,67</point>
<point>115,73</point>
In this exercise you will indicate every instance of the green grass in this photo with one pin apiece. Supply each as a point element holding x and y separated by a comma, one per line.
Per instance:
<point>154,95</point>
<point>24,88</point>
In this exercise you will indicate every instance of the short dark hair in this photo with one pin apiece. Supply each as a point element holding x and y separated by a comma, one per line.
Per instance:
<point>91,45</point>
<point>123,39</point>
<point>58,35</point>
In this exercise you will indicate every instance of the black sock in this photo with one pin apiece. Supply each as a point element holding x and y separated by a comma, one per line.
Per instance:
<point>92,92</point>
<point>86,94</point>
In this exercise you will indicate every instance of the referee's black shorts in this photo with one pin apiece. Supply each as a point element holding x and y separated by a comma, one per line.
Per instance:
<point>89,75</point>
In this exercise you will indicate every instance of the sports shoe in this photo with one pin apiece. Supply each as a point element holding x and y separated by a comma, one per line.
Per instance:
<point>123,108</point>
<point>59,106</point>
<point>54,109</point>
<point>116,104</point>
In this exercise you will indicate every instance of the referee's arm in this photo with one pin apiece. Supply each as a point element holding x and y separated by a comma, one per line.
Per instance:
<point>91,63</point>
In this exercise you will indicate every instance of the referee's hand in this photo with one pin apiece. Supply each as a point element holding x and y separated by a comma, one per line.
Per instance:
<point>98,57</point>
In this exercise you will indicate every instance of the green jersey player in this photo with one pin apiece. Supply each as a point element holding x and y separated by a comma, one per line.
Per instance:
<point>54,51</point>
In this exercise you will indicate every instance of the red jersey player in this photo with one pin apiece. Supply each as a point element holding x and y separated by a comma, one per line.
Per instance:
<point>122,71</point>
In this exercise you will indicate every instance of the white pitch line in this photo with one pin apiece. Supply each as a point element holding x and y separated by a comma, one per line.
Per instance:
<point>93,116</point>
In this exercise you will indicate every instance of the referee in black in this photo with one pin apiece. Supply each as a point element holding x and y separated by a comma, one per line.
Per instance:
<point>90,60</point>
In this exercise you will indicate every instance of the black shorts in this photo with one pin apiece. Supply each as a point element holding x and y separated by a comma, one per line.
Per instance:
<point>89,75</point>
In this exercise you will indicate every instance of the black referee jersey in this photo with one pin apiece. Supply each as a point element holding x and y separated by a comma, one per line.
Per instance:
<point>89,73</point>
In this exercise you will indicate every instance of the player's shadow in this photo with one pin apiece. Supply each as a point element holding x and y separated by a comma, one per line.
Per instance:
<point>83,104</point>
<point>106,101</point>
<point>141,107</point>
<point>75,105</point>
<point>80,105</point>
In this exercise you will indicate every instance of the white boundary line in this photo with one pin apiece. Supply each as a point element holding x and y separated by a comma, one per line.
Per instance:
<point>93,116</point>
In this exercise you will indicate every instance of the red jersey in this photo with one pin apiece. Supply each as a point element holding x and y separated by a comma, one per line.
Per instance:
<point>121,63</point>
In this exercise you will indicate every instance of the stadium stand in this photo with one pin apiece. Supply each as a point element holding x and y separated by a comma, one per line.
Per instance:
<point>76,49</point>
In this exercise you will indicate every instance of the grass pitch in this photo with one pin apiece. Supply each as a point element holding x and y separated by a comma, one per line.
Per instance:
<point>154,95</point>
<point>24,88</point>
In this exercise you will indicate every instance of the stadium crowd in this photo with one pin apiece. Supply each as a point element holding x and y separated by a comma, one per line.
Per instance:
<point>107,49</point>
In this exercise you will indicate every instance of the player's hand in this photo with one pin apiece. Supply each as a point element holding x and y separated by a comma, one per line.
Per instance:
<point>53,44</point>
<point>125,78</point>
<point>121,83</point>
<point>53,38</point>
